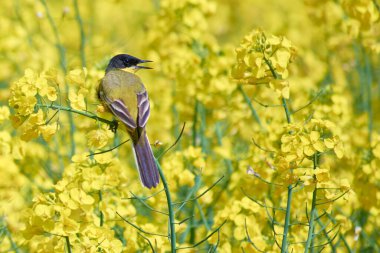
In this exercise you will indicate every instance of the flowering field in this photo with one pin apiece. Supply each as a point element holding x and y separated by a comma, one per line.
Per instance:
<point>264,123</point>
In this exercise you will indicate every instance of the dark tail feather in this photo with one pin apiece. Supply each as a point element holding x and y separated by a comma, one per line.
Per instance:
<point>145,162</point>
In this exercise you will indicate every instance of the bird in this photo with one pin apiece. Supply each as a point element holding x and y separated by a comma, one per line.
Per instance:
<point>125,96</point>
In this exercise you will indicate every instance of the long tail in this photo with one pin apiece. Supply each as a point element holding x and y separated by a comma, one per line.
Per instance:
<point>145,162</point>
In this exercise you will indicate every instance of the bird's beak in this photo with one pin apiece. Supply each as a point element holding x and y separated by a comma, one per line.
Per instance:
<point>142,67</point>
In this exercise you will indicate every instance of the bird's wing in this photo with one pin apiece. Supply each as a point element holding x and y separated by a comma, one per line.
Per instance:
<point>121,111</point>
<point>118,108</point>
<point>143,108</point>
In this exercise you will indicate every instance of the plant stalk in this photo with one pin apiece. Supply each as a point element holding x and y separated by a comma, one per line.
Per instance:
<point>284,246</point>
<point>172,234</point>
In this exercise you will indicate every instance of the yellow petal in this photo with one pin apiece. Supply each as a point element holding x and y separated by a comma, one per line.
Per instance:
<point>329,143</point>
<point>319,146</point>
<point>314,136</point>
<point>309,150</point>
<point>339,151</point>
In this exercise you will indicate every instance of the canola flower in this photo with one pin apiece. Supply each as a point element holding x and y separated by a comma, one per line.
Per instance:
<point>281,148</point>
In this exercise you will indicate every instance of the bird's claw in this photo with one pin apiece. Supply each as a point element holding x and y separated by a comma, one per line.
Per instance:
<point>114,125</point>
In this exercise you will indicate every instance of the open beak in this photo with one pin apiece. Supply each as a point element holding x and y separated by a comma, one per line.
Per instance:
<point>142,67</point>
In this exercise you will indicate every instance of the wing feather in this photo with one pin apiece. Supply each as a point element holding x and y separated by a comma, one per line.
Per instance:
<point>143,108</point>
<point>121,111</point>
<point>118,108</point>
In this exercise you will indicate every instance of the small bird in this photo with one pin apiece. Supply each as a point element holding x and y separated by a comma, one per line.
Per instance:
<point>124,94</point>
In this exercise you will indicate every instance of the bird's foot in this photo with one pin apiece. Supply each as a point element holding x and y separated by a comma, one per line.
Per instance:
<point>114,125</point>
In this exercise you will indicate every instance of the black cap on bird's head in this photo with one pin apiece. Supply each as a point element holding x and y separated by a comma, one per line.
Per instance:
<point>122,61</point>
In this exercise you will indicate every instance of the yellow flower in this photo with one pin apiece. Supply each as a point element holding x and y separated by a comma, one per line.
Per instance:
<point>264,59</point>
<point>186,178</point>
<point>81,197</point>
<point>376,151</point>
<point>322,175</point>
<point>5,143</point>
<point>77,101</point>
<point>4,113</point>
<point>77,76</point>
<point>44,211</point>
<point>67,201</point>
<point>104,158</point>
<point>48,131</point>
<point>339,151</point>
<point>24,104</point>
<point>365,11</point>
<point>80,158</point>
<point>50,92</point>
<point>344,185</point>
<point>98,138</point>
<point>30,128</point>
<point>69,226</point>
<point>281,87</point>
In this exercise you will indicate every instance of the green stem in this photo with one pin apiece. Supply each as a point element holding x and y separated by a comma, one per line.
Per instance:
<point>284,246</point>
<point>191,193</point>
<point>83,113</point>
<point>202,115</point>
<point>59,45</point>
<point>22,21</point>
<point>101,215</point>
<point>170,209</point>
<point>196,108</point>
<point>368,82</point>
<point>204,219</point>
<point>248,101</point>
<point>325,234</point>
<point>63,63</point>
<point>310,234</point>
<point>349,250</point>
<point>287,112</point>
<point>192,225</point>
<point>68,244</point>
<point>82,33</point>
<point>13,244</point>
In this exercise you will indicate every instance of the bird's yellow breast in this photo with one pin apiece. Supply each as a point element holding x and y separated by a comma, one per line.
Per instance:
<point>119,84</point>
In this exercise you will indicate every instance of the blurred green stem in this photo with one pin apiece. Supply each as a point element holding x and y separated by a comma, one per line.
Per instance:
<point>101,215</point>
<point>63,63</point>
<point>12,242</point>
<point>202,127</point>
<point>196,108</point>
<point>368,84</point>
<point>204,219</point>
<point>313,212</point>
<point>172,234</point>
<point>82,33</point>
<point>59,45</point>
<point>249,103</point>
<point>284,246</point>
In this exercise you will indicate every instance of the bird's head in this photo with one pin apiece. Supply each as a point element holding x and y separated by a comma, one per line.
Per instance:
<point>122,61</point>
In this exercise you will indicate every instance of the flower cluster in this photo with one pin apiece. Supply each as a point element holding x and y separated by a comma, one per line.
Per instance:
<point>264,60</point>
<point>25,94</point>
<point>363,11</point>
<point>80,208</point>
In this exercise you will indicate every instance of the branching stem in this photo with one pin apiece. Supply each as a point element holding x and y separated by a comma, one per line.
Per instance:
<point>112,124</point>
